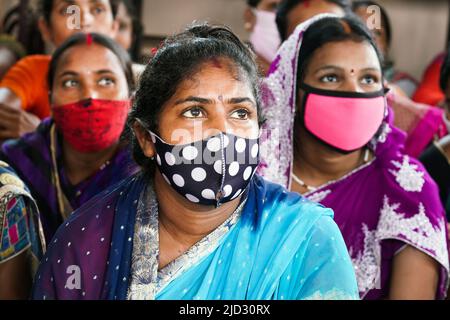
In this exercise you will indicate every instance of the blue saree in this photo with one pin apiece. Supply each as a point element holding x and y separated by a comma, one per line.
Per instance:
<point>276,245</point>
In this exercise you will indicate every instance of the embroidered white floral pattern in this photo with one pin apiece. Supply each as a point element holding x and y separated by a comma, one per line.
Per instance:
<point>417,231</point>
<point>367,263</point>
<point>319,196</point>
<point>330,295</point>
<point>408,176</point>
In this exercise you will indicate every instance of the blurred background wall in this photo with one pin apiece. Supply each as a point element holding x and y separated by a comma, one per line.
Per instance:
<point>420,27</point>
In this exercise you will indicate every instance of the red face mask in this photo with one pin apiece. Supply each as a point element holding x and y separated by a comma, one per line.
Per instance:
<point>91,125</point>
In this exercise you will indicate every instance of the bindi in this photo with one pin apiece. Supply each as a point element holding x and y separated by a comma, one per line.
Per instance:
<point>216,63</point>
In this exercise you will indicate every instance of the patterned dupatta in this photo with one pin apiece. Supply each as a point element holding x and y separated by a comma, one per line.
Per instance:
<point>20,225</point>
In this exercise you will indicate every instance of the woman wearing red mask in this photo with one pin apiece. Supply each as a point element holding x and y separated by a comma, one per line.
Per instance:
<point>341,150</point>
<point>77,152</point>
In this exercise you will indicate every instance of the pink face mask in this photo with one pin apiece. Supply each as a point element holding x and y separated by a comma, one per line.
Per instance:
<point>346,121</point>
<point>265,38</point>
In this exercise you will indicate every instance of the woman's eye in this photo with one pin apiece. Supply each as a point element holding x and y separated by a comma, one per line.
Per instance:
<point>240,114</point>
<point>369,80</point>
<point>329,78</point>
<point>106,82</point>
<point>64,11</point>
<point>70,83</point>
<point>193,113</point>
<point>98,10</point>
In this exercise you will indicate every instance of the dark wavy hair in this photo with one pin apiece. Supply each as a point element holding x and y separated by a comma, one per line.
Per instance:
<point>178,58</point>
<point>286,6</point>
<point>253,3</point>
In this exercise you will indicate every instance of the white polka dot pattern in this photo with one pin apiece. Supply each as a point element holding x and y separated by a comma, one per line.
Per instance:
<point>210,171</point>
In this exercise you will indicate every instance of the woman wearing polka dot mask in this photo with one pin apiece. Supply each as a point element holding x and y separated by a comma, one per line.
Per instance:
<point>197,223</point>
<point>210,171</point>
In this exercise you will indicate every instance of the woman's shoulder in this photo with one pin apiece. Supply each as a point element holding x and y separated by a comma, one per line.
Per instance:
<point>278,203</point>
<point>14,228</point>
<point>93,218</point>
<point>16,204</point>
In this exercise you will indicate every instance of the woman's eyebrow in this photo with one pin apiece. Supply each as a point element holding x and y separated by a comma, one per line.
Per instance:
<point>241,100</point>
<point>67,3</point>
<point>68,73</point>
<point>371,69</point>
<point>333,67</point>
<point>329,67</point>
<point>194,99</point>
<point>103,71</point>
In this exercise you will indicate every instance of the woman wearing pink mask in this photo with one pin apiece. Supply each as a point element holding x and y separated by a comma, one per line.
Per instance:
<point>77,152</point>
<point>329,137</point>
<point>259,19</point>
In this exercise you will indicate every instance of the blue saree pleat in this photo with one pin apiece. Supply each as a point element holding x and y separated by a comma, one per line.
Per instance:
<point>275,245</point>
<point>280,247</point>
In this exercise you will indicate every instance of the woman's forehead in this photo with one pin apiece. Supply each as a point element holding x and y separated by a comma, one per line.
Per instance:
<point>346,54</point>
<point>81,2</point>
<point>214,80</point>
<point>89,57</point>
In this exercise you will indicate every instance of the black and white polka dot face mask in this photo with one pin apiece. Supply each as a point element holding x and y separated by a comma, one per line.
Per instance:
<point>212,171</point>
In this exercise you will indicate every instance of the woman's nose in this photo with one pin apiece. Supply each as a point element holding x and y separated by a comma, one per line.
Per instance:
<point>89,93</point>
<point>351,85</point>
<point>87,19</point>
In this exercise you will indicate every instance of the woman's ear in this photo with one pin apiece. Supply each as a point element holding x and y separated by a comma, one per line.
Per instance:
<point>250,19</point>
<point>44,28</point>
<point>144,140</point>
<point>115,28</point>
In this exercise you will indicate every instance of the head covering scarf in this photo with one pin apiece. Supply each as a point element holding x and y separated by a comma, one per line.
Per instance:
<point>380,207</point>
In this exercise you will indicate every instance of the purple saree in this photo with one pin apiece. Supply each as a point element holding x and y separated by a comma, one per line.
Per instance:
<point>56,198</point>
<point>381,207</point>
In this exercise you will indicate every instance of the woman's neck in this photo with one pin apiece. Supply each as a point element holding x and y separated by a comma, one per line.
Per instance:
<point>182,223</point>
<point>317,164</point>
<point>80,166</point>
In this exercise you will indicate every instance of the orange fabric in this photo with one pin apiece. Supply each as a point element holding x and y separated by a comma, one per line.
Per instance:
<point>429,90</point>
<point>28,80</point>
